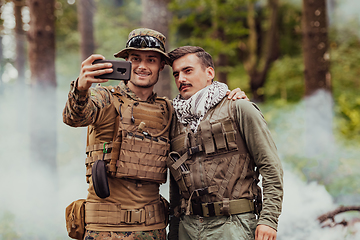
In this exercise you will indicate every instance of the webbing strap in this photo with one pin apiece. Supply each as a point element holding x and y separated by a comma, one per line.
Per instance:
<point>230,172</point>
<point>179,143</point>
<point>93,159</point>
<point>148,123</point>
<point>219,136</point>
<point>238,185</point>
<point>143,148</point>
<point>180,161</point>
<point>142,161</point>
<point>210,174</point>
<point>237,206</point>
<point>207,137</point>
<point>152,116</point>
<point>128,172</point>
<point>98,147</point>
<point>112,214</point>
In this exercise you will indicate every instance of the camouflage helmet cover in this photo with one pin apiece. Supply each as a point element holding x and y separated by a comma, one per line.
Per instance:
<point>157,36</point>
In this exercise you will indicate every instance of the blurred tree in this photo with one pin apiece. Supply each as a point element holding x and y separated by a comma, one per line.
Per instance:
<point>86,10</point>
<point>262,47</point>
<point>41,37</point>
<point>20,40</point>
<point>217,26</point>
<point>232,32</point>
<point>67,29</point>
<point>315,46</point>
<point>1,49</point>
<point>156,16</point>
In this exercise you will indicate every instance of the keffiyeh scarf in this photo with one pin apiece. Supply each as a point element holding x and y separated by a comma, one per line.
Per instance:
<point>192,111</point>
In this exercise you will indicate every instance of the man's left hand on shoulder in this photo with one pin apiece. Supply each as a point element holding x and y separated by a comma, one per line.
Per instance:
<point>264,232</point>
<point>237,94</point>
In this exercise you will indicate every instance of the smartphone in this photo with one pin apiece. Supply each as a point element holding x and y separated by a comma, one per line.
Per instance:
<point>121,70</point>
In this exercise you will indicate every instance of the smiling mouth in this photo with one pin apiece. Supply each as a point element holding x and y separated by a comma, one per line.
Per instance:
<point>142,74</point>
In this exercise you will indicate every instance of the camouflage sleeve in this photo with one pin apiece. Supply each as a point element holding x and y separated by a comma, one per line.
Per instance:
<point>262,148</point>
<point>82,107</point>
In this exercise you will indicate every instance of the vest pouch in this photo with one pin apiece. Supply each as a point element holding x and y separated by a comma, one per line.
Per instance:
<point>75,219</point>
<point>182,177</point>
<point>100,179</point>
<point>230,132</point>
<point>143,158</point>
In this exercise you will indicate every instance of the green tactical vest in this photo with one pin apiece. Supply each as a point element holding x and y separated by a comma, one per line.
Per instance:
<point>217,158</point>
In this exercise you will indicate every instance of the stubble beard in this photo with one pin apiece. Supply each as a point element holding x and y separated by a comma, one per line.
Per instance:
<point>148,85</point>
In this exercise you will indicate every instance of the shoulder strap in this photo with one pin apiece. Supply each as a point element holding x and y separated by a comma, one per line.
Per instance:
<point>170,109</point>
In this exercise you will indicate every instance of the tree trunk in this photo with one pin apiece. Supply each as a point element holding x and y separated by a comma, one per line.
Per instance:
<point>86,9</point>
<point>318,97</point>
<point>2,64</point>
<point>222,73</point>
<point>157,17</point>
<point>20,41</point>
<point>315,46</point>
<point>262,51</point>
<point>41,37</point>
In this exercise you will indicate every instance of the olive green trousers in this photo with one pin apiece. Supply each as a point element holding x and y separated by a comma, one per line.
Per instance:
<point>236,227</point>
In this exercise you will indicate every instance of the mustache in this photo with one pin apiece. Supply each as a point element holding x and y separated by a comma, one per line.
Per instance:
<point>184,84</point>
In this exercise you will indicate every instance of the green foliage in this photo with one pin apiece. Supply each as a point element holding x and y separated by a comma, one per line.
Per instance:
<point>67,36</point>
<point>289,22</point>
<point>113,22</point>
<point>238,78</point>
<point>285,80</point>
<point>345,59</point>
<point>217,26</point>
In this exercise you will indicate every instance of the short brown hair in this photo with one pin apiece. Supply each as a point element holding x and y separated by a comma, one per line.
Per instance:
<point>204,56</point>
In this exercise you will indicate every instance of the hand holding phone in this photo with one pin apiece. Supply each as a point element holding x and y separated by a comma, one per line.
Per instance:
<point>121,70</point>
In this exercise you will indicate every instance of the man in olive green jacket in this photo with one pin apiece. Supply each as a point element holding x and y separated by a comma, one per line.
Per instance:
<point>219,148</point>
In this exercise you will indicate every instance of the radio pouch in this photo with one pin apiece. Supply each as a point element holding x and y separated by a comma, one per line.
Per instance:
<point>75,219</point>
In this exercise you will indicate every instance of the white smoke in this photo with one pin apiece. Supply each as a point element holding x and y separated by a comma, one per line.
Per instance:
<point>303,204</point>
<point>306,132</point>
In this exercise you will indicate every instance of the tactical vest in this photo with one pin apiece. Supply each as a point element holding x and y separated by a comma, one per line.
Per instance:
<point>140,139</point>
<point>214,164</point>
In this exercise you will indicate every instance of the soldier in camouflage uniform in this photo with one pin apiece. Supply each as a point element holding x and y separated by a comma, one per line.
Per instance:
<point>130,197</point>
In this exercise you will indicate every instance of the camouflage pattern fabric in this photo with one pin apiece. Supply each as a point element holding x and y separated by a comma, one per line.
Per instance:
<point>82,108</point>
<point>159,234</point>
<point>142,32</point>
<point>147,32</point>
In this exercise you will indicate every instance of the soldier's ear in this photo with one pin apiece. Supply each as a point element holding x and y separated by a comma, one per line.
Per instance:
<point>162,65</point>
<point>210,73</point>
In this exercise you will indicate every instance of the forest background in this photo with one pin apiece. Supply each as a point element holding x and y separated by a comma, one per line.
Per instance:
<point>258,46</point>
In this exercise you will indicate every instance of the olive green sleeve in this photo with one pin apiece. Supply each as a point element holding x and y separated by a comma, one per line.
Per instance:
<point>255,132</point>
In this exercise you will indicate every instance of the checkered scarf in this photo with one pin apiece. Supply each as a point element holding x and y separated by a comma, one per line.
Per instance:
<point>193,110</point>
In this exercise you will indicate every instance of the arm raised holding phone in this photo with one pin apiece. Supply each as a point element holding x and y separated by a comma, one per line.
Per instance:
<point>89,71</point>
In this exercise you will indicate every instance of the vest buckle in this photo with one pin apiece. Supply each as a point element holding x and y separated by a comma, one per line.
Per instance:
<point>134,216</point>
<point>201,191</point>
<point>194,150</point>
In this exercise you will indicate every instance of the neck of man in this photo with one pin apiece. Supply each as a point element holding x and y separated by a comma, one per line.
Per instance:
<point>141,92</point>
